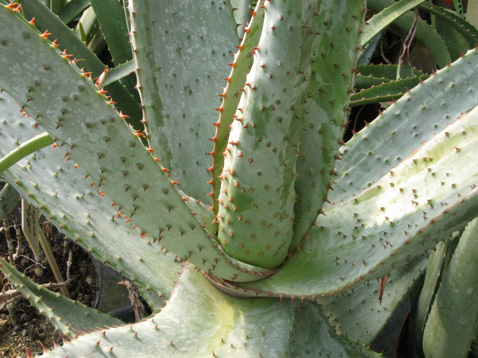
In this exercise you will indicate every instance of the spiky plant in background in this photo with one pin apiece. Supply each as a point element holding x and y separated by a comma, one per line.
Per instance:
<point>293,226</point>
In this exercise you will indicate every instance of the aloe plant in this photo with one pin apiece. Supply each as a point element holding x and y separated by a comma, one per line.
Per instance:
<point>247,224</point>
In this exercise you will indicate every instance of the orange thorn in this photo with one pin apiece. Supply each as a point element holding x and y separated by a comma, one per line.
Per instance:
<point>45,34</point>
<point>12,5</point>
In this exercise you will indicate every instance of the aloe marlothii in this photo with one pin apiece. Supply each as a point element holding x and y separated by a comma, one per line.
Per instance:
<point>272,173</point>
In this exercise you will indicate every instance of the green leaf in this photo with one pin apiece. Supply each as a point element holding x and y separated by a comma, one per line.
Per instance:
<point>45,20</point>
<point>386,73</point>
<point>49,182</point>
<point>417,204</point>
<point>9,199</point>
<point>120,72</point>
<point>72,9</point>
<point>467,30</point>
<point>112,20</point>
<point>426,109</point>
<point>425,33</point>
<point>242,64</point>
<point>359,315</point>
<point>420,309</point>
<point>200,321</point>
<point>265,138</point>
<point>384,92</point>
<point>68,316</point>
<point>242,14</point>
<point>450,327</point>
<point>385,17</point>
<point>181,69</point>
<point>327,106</point>
<point>130,168</point>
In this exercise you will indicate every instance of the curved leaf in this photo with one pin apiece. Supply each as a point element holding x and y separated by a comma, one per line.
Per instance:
<point>385,17</point>
<point>417,204</point>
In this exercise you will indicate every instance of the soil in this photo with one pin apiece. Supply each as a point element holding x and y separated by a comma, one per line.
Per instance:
<point>22,327</point>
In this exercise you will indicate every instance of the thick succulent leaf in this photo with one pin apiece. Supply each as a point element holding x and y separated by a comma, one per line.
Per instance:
<point>420,308</point>
<point>181,69</point>
<point>241,66</point>
<point>409,210</point>
<point>64,196</point>
<point>242,14</point>
<point>111,16</point>
<point>385,17</point>
<point>45,20</point>
<point>118,164</point>
<point>426,109</point>
<point>313,337</point>
<point>450,327</point>
<point>200,321</point>
<point>359,314</point>
<point>338,26</point>
<point>68,316</point>
<point>256,211</point>
<point>425,33</point>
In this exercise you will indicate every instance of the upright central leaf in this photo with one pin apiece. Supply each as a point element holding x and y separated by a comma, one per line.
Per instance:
<point>256,203</point>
